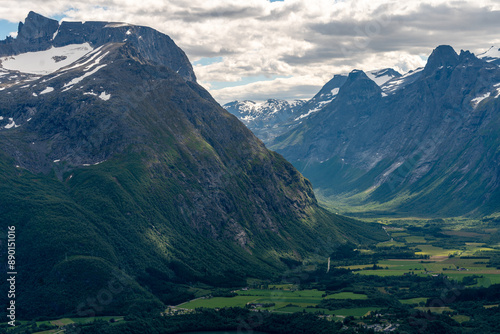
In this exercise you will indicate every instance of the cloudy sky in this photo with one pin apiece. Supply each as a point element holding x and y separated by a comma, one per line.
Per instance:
<point>260,49</point>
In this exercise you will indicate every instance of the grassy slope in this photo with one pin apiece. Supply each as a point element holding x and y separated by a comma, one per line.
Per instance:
<point>114,216</point>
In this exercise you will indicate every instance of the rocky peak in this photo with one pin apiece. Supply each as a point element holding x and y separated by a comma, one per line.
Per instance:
<point>35,34</point>
<point>469,58</point>
<point>37,28</point>
<point>359,86</point>
<point>39,33</point>
<point>388,72</point>
<point>442,56</point>
<point>336,82</point>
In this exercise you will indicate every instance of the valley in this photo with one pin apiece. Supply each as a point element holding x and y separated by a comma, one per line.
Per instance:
<point>432,272</point>
<point>141,205</point>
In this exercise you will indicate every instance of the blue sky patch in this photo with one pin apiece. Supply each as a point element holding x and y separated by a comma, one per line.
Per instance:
<point>207,61</point>
<point>6,28</point>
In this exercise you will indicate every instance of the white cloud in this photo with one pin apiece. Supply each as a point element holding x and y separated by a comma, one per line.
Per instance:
<point>311,39</point>
<point>298,87</point>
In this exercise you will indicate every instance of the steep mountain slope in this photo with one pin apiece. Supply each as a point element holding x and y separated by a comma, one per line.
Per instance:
<point>114,160</point>
<point>275,117</point>
<point>425,144</point>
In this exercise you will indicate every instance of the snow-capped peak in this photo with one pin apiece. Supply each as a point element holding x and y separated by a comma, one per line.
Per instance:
<point>491,55</point>
<point>380,77</point>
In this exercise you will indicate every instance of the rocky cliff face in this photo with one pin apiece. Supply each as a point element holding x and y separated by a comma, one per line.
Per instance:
<point>425,143</point>
<point>113,157</point>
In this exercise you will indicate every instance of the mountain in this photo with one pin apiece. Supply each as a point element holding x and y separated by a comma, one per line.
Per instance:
<point>491,56</point>
<point>266,120</point>
<point>274,117</point>
<point>118,170</point>
<point>330,90</point>
<point>424,144</point>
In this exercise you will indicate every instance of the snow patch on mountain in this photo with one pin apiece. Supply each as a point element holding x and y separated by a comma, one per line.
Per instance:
<point>55,34</point>
<point>94,164</point>
<point>117,25</point>
<point>265,118</point>
<point>104,96</point>
<point>47,90</point>
<point>296,103</point>
<point>380,77</point>
<point>497,87</point>
<point>477,100</point>
<point>492,54</point>
<point>91,56</point>
<point>69,85</point>
<point>48,61</point>
<point>319,106</point>
<point>97,61</point>
<point>397,83</point>
<point>11,124</point>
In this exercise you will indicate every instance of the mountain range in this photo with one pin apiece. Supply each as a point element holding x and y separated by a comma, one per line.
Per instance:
<point>113,159</point>
<point>267,119</point>
<point>423,144</point>
<point>274,117</point>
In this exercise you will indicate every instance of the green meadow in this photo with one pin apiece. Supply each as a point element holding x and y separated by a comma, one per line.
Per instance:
<point>452,249</point>
<point>284,301</point>
<point>412,301</point>
<point>347,295</point>
<point>219,302</point>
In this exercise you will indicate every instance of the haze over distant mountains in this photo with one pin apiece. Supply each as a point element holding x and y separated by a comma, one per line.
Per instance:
<point>424,143</point>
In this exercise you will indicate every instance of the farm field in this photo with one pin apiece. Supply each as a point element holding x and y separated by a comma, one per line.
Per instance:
<point>454,253</point>
<point>347,295</point>
<point>339,313</point>
<point>412,301</point>
<point>219,302</point>
<point>60,323</point>
<point>283,301</point>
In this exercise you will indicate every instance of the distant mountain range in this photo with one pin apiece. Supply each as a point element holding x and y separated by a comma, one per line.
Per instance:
<point>274,117</point>
<point>113,159</point>
<point>268,119</point>
<point>425,143</point>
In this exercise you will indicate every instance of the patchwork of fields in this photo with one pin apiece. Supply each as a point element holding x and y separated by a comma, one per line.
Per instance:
<point>456,254</point>
<point>402,272</point>
<point>286,300</point>
<point>453,253</point>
